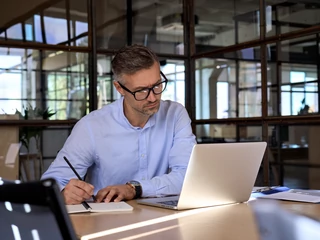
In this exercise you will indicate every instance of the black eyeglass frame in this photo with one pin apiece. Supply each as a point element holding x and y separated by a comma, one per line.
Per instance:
<point>149,89</point>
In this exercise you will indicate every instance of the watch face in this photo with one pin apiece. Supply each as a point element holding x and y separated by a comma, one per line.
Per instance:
<point>135,183</point>
<point>137,187</point>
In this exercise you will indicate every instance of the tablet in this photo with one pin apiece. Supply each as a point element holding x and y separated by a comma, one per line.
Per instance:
<point>34,210</point>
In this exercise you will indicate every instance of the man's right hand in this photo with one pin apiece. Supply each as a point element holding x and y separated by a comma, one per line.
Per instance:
<point>77,191</point>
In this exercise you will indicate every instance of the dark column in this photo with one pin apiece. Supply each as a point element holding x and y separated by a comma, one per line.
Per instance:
<point>92,40</point>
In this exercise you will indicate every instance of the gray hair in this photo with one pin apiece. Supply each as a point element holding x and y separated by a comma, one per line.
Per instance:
<point>131,59</point>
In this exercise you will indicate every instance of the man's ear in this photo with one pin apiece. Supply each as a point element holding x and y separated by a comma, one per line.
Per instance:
<point>118,87</point>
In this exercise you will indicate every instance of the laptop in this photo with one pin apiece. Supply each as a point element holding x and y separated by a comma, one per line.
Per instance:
<point>217,174</point>
<point>34,210</point>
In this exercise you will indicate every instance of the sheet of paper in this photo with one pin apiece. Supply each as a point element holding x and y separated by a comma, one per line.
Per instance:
<point>292,196</point>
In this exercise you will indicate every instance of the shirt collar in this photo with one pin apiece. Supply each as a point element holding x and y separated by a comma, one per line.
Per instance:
<point>151,122</point>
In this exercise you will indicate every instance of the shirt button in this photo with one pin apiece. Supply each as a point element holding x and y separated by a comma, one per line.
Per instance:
<point>142,155</point>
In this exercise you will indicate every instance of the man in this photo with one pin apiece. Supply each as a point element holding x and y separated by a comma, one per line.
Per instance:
<point>137,146</point>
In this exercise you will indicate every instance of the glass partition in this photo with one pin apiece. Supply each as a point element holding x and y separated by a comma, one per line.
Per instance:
<point>67,84</point>
<point>227,88</point>
<point>284,16</point>
<point>55,80</point>
<point>106,92</point>
<point>225,23</point>
<point>219,133</point>
<point>293,77</point>
<point>294,154</point>
<point>78,23</point>
<point>53,24</point>
<point>157,25</point>
<point>175,73</point>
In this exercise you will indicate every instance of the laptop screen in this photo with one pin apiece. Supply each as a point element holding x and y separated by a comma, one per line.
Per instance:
<point>33,210</point>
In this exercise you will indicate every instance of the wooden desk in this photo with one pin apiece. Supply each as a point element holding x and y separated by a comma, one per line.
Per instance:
<point>230,222</point>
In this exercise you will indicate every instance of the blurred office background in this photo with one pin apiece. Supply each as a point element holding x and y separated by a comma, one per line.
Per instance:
<point>246,70</point>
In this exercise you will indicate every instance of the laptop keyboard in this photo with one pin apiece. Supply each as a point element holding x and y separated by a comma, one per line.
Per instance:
<point>170,203</point>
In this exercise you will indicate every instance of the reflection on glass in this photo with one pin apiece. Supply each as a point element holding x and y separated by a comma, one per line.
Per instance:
<point>79,22</point>
<point>65,82</point>
<point>157,25</point>
<point>55,28</point>
<point>249,89</point>
<point>106,92</point>
<point>225,23</point>
<point>10,79</point>
<point>217,90</point>
<point>299,50</point>
<point>219,133</point>
<point>288,16</point>
<point>28,28</point>
<point>111,23</point>
<point>15,32</point>
<point>174,71</point>
<point>299,90</point>
<point>55,23</point>
<point>67,86</point>
<point>214,82</point>
<point>292,77</point>
<point>37,28</point>
<point>295,147</point>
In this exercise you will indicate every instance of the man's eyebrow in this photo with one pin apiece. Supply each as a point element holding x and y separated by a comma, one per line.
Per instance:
<point>144,87</point>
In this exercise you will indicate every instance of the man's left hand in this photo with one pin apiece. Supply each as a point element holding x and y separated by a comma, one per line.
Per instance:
<point>116,193</point>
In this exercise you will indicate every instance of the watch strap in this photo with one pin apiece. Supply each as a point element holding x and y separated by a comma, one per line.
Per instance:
<point>137,187</point>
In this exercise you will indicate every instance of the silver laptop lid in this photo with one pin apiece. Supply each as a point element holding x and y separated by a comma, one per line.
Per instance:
<point>221,173</point>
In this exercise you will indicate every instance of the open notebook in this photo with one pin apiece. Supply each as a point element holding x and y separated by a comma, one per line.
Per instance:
<point>217,174</point>
<point>100,207</point>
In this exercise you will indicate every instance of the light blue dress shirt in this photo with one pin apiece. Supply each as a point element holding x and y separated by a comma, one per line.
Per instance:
<point>115,152</point>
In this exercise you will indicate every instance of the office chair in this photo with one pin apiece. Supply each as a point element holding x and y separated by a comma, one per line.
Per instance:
<point>34,210</point>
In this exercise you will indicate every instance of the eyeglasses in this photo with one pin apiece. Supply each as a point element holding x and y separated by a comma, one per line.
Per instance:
<point>145,92</point>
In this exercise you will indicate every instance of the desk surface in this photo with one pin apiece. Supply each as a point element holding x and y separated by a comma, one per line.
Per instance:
<point>229,222</point>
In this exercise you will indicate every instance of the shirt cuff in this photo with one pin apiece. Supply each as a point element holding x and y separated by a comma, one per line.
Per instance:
<point>147,188</point>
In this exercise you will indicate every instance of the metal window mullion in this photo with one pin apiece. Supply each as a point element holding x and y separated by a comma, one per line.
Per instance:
<point>264,95</point>
<point>68,20</point>
<point>92,62</point>
<point>43,28</point>
<point>189,51</point>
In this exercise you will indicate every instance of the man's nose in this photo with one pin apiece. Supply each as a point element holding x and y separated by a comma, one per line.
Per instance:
<point>152,97</point>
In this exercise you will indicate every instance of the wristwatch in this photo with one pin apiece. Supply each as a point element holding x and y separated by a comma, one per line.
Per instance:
<point>137,187</point>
